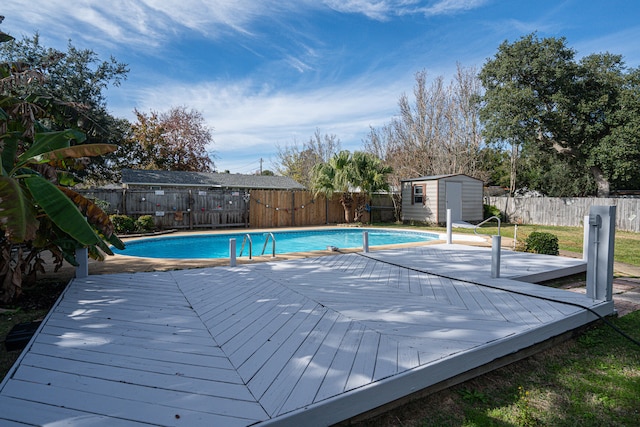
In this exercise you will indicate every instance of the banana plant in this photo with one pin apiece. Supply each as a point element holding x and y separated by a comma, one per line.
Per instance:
<point>37,213</point>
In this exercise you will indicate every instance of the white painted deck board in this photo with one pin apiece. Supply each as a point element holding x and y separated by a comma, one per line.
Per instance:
<point>309,381</point>
<point>124,408</point>
<point>116,325</point>
<point>283,385</point>
<point>337,375</point>
<point>307,342</point>
<point>242,347</point>
<point>33,413</point>
<point>169,381</point>
<point>284,349</point>
<point>269,346</point>
<point>222,371</point>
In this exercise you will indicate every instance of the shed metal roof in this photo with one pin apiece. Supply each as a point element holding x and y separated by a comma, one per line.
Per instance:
<point>204,179</point>
<point>437,177</point>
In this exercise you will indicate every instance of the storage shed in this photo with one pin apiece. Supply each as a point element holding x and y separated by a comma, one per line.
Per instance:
<point>426,199</point>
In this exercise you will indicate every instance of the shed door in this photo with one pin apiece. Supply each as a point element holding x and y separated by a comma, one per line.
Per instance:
<point>453,194</point>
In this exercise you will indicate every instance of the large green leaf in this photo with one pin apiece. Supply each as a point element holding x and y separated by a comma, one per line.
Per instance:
<point>9,148</point>
<point>61,210</point>
<point>116,242</point>
<point>16,213</point>
<point>77,151</point>
<point>50,141</point>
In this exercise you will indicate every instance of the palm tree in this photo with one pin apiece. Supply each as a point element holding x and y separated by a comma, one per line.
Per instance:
<point>370,176</point>
<point>355,176</point>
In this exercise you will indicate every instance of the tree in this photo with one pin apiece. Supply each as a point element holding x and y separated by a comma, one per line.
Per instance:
<point>76,81</point>
<point>547,172</point>
<point>175,140</point>
<point>539,96</point>
<point>298,163</point>
<point>354,176</point>
<point>37,212</point>
<point>496,161</point>
<point>436,132</point>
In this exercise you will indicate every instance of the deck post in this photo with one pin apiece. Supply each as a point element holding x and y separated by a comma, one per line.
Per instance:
<point>232,252</point>
<point>496,241</point>
<point>82,256</point>
<point>449,236</point>
<point>365,241</point>
<point>585,239</point>
<point>602,229</point>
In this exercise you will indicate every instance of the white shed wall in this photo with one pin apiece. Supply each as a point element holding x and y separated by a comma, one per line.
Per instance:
<point>427,212</point>
<point>434,210</point>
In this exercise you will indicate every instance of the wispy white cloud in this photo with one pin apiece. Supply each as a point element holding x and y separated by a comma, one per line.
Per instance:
<point>255,119</point>
<point>373,9</point>
<point>616,43</point>
<point>149,26</point>
<point>210,17</point>
<point>385,9</point>
<point>145,23</point>
<point>445,7</point>
<point>114,23</point>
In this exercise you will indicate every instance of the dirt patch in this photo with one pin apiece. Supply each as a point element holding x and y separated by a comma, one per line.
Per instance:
<point>626,293</point>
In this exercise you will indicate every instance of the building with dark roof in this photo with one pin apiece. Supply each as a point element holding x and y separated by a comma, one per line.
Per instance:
<point>155,179</point>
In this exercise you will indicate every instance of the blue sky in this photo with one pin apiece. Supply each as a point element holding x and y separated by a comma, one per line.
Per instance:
<point>268,73</point>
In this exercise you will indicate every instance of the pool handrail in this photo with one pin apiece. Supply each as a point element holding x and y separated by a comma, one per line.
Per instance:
<point>475,229</point>
<point>273,244</point>
<point>244,240</point>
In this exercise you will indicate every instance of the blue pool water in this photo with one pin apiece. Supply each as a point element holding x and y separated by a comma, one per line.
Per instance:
<point>217,246</point>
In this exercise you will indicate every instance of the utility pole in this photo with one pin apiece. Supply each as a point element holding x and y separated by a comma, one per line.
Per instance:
<point>260,165</point>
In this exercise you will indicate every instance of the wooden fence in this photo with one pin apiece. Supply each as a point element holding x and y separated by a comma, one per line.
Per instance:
<point>566,211</point>
<point>191,209</point>
<point>178,208</point>
<point>270,208</point>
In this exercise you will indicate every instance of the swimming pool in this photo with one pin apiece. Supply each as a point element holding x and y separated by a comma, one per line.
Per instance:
<point>208,246</point>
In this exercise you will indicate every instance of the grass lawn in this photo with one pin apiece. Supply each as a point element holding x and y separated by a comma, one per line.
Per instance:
<point>592,380</point>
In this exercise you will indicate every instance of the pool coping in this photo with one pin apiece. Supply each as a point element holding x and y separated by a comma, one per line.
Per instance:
<point>130,264</point>
<point>165,264</point>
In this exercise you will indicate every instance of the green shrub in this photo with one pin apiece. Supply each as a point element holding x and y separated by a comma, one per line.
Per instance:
<point>542,243</point>
<point>123,224</point>
<point>490,210</point>
<point>145,223</point>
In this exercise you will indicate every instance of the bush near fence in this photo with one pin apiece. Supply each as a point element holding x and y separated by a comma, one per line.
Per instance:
<point>566,211</point>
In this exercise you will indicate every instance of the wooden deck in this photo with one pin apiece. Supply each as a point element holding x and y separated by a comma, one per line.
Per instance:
<point>305,342</point>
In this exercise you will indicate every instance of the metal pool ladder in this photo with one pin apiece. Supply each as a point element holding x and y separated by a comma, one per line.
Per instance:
<point>246,238</point>
<point>273,244</point>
